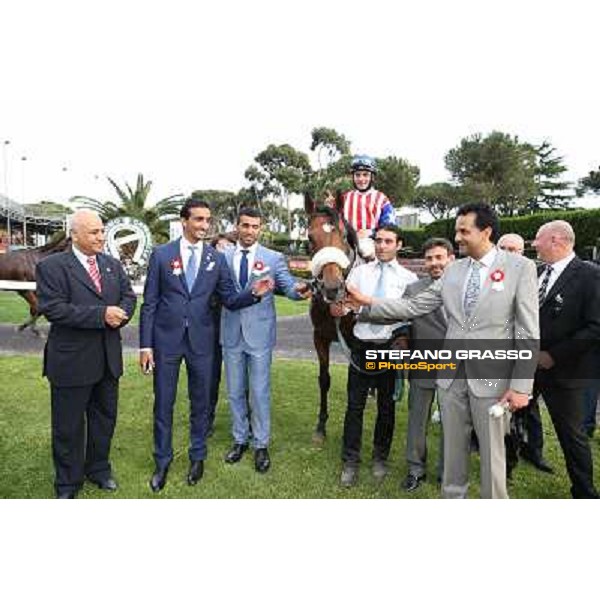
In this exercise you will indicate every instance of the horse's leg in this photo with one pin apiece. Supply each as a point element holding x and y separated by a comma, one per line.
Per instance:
<point>31,299</point>
<point>322,346</point>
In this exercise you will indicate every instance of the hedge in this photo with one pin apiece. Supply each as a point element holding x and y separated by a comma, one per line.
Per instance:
<point>585,223</point>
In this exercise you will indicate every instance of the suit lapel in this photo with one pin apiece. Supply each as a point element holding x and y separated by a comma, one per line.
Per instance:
<point>205,259</point>
<point>106,275</point>
<point>173,254</point>
<point>462,271</point>
<point>498,263</point>
<point>563,280</point>
<point>229,254</point>
<point>81,274</point>
<point>258,256</point>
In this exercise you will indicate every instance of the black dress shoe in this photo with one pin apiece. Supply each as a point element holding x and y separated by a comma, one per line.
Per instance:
<point>412,482</point>
<point>108,484</point>
<point>159,478</point>
<point>262,462</point>
<point>236,453</point>
<point>196,471</point>
<point>538,462</point>
<point>66,495</point>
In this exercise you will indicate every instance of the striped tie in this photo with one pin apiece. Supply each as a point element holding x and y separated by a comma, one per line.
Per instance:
<point>94,273</point>
<point>544,287</point>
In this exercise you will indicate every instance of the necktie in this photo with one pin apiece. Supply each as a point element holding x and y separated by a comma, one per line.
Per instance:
<point>380,287</point>
<point>244,269</point>
<point>473,287</point>
<point>191,269</point>
<point>94,273</point>
<point>544,287</point>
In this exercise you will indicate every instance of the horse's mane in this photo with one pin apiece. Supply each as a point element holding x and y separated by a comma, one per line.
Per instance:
<point>326,211</point>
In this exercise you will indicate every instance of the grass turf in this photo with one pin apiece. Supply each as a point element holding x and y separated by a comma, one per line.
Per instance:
<point>299,470</point>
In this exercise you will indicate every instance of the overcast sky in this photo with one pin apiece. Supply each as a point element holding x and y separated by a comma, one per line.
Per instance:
<point>189,92</point>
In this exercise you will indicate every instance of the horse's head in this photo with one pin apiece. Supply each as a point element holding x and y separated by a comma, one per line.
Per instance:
<point>329,253</point>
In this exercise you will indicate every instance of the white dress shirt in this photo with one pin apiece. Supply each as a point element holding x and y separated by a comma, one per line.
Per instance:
<point>185,252</point>
<point>237,259</point>
<point>557,268</point>
<point>365,277</point>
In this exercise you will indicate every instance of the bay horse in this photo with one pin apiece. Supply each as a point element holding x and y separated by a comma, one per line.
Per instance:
<point>19,265</point>
<point>333,248</point>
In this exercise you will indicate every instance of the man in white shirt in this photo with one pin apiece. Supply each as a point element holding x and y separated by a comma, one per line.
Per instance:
<point>383,278</point>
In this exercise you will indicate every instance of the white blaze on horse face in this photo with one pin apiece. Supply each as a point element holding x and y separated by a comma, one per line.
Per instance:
<point>327,227</point>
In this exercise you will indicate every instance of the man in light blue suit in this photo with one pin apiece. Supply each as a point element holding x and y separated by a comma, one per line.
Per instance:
<point>248,338</point>
<point>177,324</point>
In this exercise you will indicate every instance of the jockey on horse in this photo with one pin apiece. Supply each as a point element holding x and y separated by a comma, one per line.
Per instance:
<point>364,208</point>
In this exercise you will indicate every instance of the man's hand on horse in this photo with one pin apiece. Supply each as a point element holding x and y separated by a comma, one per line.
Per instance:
<point>114,316</point>
<point>263,286</point>
<point>303,289</point>
<point>354,298</point>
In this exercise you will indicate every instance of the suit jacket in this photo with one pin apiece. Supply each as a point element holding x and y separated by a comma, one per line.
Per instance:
<point>256,325</point>
<point>428,327</point>
<point>80,345</point>
<point>169,308</point>
<point>508,314</point>
<point>570,325</point>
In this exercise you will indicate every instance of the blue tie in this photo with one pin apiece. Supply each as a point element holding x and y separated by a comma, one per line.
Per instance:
<point>244,269</point>
<point>380,287</point>
<point>192,269</point>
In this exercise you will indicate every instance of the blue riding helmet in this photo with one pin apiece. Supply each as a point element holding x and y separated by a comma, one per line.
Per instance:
<point>362,162</point>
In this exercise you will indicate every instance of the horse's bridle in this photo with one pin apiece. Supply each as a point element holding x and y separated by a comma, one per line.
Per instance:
<point>316,283</point>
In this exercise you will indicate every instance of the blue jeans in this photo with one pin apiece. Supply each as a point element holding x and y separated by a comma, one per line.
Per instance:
<point>250,369</point>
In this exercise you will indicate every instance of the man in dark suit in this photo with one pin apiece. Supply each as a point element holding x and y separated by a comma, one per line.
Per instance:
<point>87,297</point>
<point>526,438</point>
<point>569,293</point>
<point>177,323</point>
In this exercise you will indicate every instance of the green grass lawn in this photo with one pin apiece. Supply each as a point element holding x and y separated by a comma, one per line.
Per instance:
<point>299,469</point>
<point>13,309</point>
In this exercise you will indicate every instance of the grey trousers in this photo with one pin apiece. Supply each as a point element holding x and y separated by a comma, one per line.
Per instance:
<point>461,412</point>
<point>420,401</point>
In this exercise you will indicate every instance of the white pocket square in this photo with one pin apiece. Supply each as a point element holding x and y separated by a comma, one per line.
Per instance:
<point>211,266</point>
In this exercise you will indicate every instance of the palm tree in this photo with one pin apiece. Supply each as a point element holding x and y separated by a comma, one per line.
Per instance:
<point>132,203</point>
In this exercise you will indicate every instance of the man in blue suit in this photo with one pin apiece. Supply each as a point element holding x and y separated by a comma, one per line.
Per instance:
<point>248,338</point>
<point>176,324</point>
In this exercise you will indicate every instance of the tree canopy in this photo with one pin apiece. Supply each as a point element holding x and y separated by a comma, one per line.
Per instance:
<point>133,202</point>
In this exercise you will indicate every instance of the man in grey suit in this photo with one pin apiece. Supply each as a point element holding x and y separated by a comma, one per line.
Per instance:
<point>489,295</point>
<point>438,254</point>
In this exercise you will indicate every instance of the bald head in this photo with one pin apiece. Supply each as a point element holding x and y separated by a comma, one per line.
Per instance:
<point>87,231</point>
<point>554,241</point>
<point>512,242</point>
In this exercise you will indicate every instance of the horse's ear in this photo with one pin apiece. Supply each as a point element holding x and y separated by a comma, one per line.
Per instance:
<point>339,202</point>
<point>309,204</point>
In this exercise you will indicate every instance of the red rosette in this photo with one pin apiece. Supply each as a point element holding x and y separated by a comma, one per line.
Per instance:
<point>497,276</point>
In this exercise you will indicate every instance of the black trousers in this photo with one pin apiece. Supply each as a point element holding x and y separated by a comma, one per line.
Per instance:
<point>567,411</point>
<point>358,389</point>
<point>83,422</point>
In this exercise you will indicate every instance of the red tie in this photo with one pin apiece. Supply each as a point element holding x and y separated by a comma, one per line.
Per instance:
<point>94,273</point>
